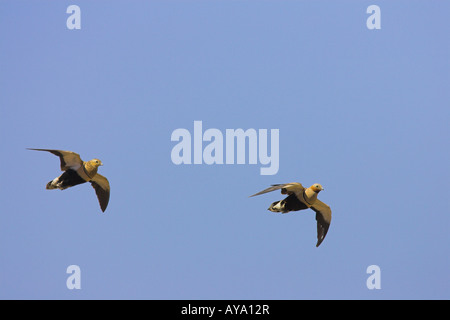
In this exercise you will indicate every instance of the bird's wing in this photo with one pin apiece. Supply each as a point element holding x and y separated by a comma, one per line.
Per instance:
<point>101,186</point>
<point>323,217</point>
<point>69,159</point>
<point>287,188</point>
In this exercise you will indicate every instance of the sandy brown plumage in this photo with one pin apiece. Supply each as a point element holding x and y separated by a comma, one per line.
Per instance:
<point>300,198</point>
<point>77,171</point>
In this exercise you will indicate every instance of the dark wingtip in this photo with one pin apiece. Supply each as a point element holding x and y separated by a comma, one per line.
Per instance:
<point>103,207</point>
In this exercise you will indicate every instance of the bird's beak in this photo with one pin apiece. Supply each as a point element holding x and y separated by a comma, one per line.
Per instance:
<point>101,163</point>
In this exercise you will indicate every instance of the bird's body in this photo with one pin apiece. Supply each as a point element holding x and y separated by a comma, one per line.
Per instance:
<point>77,171</point>
<point>300,198</point>
<point>68,179</point>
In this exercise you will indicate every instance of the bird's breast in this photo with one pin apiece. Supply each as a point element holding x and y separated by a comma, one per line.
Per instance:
<point>87,171</point>
<point>309,197</point>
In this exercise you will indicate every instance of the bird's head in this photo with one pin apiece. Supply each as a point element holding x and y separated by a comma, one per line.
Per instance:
<point>95,163</point>
<point>316,187</point>
<point>91,167</point>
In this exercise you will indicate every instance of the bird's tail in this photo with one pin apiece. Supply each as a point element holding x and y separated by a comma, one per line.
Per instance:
<point>278,206</point>
<point>51,185</point>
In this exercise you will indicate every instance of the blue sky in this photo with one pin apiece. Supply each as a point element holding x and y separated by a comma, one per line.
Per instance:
<point>363,112</point>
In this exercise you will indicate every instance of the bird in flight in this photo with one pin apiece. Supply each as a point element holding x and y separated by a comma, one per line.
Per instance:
<point>77,171</point>
<point>300,198</point>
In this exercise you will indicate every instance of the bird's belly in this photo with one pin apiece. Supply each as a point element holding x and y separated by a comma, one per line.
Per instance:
<point>69,178</point>
<point>292,203</point>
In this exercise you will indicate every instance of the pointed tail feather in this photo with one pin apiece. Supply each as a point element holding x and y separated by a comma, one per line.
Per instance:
<point>278,206</point>
<point>51,185</point>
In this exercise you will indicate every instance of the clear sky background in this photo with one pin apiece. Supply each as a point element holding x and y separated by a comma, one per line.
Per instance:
<point>363,112</point>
